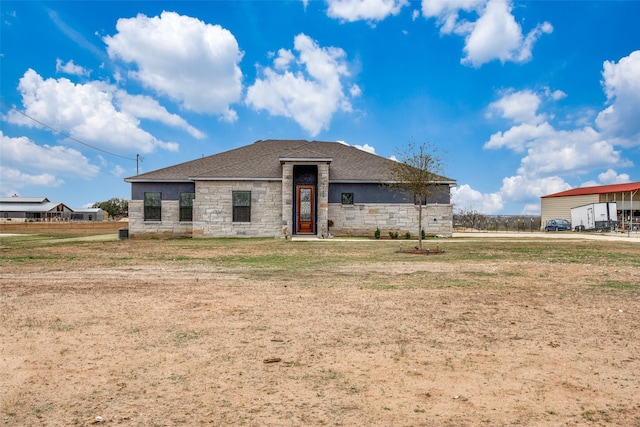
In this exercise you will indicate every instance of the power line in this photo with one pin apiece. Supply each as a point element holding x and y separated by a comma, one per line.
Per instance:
<point>66,135</point>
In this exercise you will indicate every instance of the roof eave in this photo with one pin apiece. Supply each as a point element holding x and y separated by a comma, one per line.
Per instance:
<point>383,181</point>
<point>306,159</point>
<point>232,178</point>
<point>141,180</point>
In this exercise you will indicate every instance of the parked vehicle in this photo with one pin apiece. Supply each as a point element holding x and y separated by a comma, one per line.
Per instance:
<point>557,225</point>
<point>595,217</point>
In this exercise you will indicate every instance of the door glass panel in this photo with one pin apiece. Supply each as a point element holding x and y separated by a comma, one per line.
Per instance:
<point>305,204</point>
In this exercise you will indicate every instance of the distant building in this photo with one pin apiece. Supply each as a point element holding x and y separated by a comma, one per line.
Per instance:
<point>33,209</point>
<point>42,209</point>
<point>559,205</point>
<point>89,214</point>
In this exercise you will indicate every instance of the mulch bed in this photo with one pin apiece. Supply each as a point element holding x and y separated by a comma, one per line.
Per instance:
<point>424,251</point>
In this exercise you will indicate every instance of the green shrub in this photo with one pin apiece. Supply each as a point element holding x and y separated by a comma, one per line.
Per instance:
<point>393,234</point>
<point>376,233</point>
<point>407,235</point>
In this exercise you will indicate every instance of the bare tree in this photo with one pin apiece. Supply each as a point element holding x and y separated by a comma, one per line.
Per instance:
<point>417,173</point>
<point>469,218</point>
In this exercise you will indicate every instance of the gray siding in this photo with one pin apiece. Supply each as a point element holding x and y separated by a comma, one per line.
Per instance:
<point>376,193</point>
<point>169,190</point>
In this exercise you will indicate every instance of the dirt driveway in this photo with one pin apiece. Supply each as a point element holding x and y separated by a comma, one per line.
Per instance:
<point>268,333</point>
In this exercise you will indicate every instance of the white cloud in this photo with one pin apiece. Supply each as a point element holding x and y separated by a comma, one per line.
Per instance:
<point>88,113</point>
<point>518,137</point>
<point>308,88</point>
<point>550,153</point>
<point>608,177</point>
<point>192,62</point>
<point>521,107</point>
<point>118,171</point>
<point>71,68</point>
<point>366,147</point>
<point>447,12</point>
<point>569,152</point>
<point>531,209</point>
<point>465,197</point>
<point>612,177</point>
<point>556,95</point>
<point>18,179</point>
<point>24,153</point>
<point>494,35</point>
<point>364,10</point>
<point>515,189</point>
<point>145,107</point>
<point>522,188</point>
<point>621,83</point>
<point>26,163</point>
<point>74,35</point>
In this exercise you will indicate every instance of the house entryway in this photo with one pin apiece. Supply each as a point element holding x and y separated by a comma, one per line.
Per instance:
<point>305,218</point>
<point>305,196</point>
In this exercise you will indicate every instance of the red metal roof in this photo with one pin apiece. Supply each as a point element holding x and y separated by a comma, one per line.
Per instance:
<point>601,189</point>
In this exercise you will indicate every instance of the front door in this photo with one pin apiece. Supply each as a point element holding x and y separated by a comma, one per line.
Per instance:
<point>305,212</point>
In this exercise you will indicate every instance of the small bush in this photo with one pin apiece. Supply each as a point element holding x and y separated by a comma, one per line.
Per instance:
<point>423,233</point>
<point>407,235</point>
<point>393,234</point>
<point>376,233</point>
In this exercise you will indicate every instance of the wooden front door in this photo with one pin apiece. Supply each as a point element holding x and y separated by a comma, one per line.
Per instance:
<point>305,212</point>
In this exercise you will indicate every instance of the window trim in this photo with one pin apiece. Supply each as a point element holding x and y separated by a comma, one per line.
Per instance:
<point>241,213</point>
<point>181,208</point>
<point>347,198</point>
<point>149,209</point>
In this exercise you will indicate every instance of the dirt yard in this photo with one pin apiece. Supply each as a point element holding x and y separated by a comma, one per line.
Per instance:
<point>275,333</point>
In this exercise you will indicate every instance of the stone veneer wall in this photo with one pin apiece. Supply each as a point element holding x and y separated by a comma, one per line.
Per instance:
<point>363,219</point>
<point>169,226</point>
<point>322,212</point>
<point>213,209</point>
<point>287,200</point>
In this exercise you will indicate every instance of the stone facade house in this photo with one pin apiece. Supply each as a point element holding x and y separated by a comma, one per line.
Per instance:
<point>281,188</point>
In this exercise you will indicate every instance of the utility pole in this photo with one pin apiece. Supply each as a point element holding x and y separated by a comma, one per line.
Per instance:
<point>138,160</point>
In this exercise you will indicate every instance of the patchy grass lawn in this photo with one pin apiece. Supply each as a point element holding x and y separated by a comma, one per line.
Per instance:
<point>274,332</point>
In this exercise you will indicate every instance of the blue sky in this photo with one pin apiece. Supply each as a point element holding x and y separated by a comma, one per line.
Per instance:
<point>522,99</point>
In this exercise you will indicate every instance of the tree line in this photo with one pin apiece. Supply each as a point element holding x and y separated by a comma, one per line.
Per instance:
<point>115,207</point>
<point>472,219</point>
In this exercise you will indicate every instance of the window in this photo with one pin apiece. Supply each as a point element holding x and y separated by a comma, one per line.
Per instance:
<point>152,206</point>
<point>242,206</point>
<point>186,206</point>
<point>347,198</point>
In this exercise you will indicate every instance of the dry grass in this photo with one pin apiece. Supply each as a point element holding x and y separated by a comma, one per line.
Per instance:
<point>268,332</point>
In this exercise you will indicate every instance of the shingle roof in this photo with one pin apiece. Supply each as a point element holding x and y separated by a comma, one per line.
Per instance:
<point>262,160</point>
<point>601,189</point>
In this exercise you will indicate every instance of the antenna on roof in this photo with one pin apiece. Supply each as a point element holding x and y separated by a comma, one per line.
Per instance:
<point>139,159</point>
